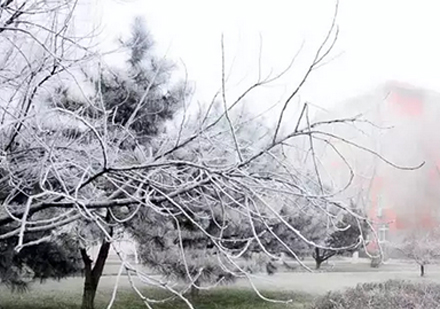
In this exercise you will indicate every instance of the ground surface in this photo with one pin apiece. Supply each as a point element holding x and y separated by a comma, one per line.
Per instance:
<point>339,275</point>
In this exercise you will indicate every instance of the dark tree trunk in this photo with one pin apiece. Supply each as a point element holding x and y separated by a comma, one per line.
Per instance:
<point>422,270</point>
<point>89,293</point>
<point>318,264</point>
<point>92,275</point>
<point>321,256</point>
<point>318,258</point>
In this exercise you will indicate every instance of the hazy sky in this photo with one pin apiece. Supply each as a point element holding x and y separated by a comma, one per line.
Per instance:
<point>379,40</point>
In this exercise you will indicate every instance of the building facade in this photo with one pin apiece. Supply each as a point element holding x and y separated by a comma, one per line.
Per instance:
<point>394,156</point>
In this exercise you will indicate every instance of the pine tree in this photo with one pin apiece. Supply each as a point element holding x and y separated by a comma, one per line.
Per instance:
<point>138,100</point>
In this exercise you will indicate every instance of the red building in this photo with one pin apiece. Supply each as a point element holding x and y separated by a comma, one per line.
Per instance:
<point>404,131</point>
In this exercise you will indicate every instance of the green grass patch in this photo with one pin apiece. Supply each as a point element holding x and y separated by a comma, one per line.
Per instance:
<point>227,298</point>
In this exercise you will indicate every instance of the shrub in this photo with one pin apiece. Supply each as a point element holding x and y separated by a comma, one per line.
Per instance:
<point>394,294</point>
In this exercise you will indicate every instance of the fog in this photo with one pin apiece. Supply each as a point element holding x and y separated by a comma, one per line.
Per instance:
<point>378,40</point>
<point>400,171</point>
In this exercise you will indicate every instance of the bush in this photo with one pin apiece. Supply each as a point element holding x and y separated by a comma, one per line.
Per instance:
<point>390,294</point>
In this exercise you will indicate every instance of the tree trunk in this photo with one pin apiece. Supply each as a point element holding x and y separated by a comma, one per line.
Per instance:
<point>318,258</point>
<point>422,270</point>
<point>93,275</point>
<point>318,264</point>
<point>89,293</point>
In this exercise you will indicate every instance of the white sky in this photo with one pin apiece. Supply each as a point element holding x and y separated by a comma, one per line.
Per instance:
<point>379,40</point>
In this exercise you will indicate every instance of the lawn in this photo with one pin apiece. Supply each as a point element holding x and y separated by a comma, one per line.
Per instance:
<point>227,298</point>
<point>302,287</point>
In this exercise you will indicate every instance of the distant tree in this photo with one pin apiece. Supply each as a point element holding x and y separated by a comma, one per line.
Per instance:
<point>308,221</point>
<point>421,246</point>
<point>347,233</point>
<point>336,236</point>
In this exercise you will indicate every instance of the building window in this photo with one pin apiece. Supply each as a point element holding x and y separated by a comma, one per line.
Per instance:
<point>383,233</point>
<point>380,206</point>
<point>379,211</point>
